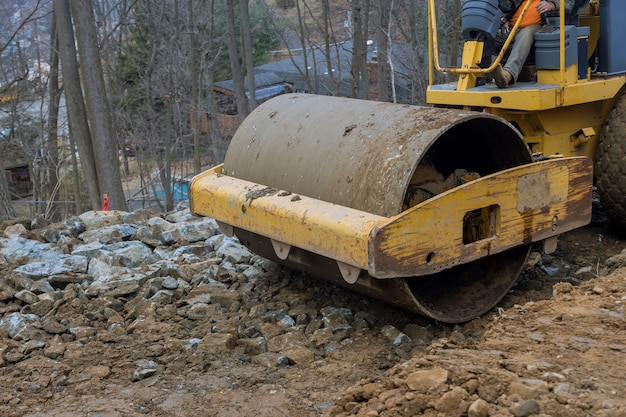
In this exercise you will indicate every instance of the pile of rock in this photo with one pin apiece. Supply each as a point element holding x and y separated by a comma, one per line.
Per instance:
<point>105,275</point>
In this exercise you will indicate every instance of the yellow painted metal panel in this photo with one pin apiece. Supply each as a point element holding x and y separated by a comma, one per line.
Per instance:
<point>472,53</point>
<point>331,230</point>
<point>561,131</point>
<point>526,96</point>
<point>553,76</point>
<point>554,196</point>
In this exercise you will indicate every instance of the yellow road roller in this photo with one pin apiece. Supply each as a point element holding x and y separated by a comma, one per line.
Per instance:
<point>432,209</point>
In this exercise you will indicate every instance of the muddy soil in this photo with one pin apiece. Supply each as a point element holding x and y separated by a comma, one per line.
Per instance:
<point>554,346</point>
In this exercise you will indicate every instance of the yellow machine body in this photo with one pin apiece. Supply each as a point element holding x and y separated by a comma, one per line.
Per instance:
<point>558,113</point>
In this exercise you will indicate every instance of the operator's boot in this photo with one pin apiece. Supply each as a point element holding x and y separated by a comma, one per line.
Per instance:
<point>502,77</point>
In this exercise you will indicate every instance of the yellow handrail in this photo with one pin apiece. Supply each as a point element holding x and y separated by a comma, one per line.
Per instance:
<point>561,53</point>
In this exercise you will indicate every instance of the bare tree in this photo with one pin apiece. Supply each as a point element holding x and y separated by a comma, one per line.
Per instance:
<point>247,52</point>
<point>195,80</point>
<point>327,34</point>
<point>97,105</point>
<point>211,55</point>
<point>165,158</point>
<point>10,86</point>
<point>304,46</point>
<point>360,13</point>
<point>113,20</point>
<point>54,95</point>
<point>76,113</point>
<point>455,32</point>
<point>6,208</point>
<point>407,19</point>
<point>383,41</point>
<point>235,64</point>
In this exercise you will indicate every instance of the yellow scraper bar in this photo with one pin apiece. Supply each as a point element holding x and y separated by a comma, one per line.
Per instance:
<point>497,212</point>
<point>334,231</point>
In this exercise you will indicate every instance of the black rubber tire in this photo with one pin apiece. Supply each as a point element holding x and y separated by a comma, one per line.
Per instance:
<point>610,169</point>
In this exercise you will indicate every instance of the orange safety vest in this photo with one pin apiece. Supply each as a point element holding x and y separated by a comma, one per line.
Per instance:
<point>532,16</point>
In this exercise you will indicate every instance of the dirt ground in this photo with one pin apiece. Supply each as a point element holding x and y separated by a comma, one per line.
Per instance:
<point>554,346</point>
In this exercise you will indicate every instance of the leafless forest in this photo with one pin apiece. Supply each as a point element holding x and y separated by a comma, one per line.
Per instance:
<point>129,98</point>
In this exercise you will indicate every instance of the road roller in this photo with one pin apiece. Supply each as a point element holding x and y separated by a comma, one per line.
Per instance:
<point>435,208</point>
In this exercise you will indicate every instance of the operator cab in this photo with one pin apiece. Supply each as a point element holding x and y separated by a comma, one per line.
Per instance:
<point>575,65</point>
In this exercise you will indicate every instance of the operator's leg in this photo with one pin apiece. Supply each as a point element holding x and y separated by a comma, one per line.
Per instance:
<point>521,48</point>
<point>524,39</point>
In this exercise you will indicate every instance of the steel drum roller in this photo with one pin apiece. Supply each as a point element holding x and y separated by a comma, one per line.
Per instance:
<point>367,155</point>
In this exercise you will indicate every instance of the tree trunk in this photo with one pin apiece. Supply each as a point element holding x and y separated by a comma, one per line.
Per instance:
<point>359,49</point>
<point>165,159</point>
<point>76,113</point>
<point>305,48</point>
<point>98,109</point>
<point>208,81</point>
<point>78,204</point>
<point>52,151</point>
<point>216,136</point>
<point>195,80</point>
<point>6,208</point>
<point>235,65</point>
<point>334,81</point>
<point>382,41</point>
<point>247,48</point>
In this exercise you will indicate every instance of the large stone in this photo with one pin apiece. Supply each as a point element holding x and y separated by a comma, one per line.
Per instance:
<point>22,251</point>
<point>52,326</point>
<point>299,355</point>
<point>427,380</point>
<point>190,232</point>
<point>526,408</point>
<point>40,307</point>
<point>181,216</point>
<point>453,403</point>
<point>254,346</point>
<point>231,250</point>
<point>118,284</point>
<point>284,341</point>
<point>71,227</point>
<point>527,392</point>
<point>20,326</point>
<point>55,348</point>
<point>109,234</point>
<point>395,336</point>
<point>216,343</point>
<point>139,217</point>
<point>105,262</point>
<point>96,219</point>
<point>26,296</point>
<point>64,264</point>
<point>144,369</point>
<point>479,408</point>
<point>16,230</point>
<point>271,360</point>
<point>138,252</point>
<point>87,249</point>
<point>223,296</point>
